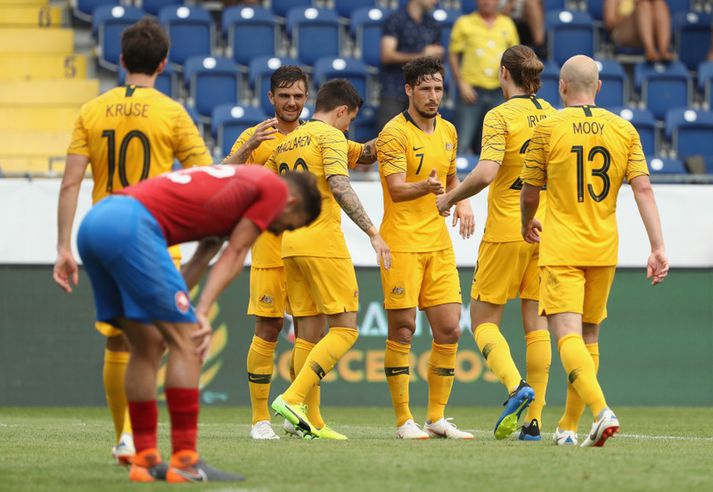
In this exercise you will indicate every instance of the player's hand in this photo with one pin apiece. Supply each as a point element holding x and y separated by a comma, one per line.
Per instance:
<point>433,185</point>
<point>657,266</point>
<point>66,272</point>
<point>383,253</point>
<point>464,213</point>
<point>531,231</point>
<point>203,335</point>
<point>264,131</point>
<point>435,50</point>
<point>467,93</point>
<point>443,203</point>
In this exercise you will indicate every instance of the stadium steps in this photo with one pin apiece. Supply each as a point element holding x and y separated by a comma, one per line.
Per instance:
<point>65,92</point>
<point>29,40</point>
<point>31,151</point>
<point>31,15</point>
<point>40,118</point>
<point>42,67</point>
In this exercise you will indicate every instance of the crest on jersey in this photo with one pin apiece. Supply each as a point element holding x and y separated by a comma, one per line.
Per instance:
<point>183,303</point>
<point>449,146</point>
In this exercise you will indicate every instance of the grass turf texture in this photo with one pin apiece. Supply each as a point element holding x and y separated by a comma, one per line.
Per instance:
<point>659,449</point>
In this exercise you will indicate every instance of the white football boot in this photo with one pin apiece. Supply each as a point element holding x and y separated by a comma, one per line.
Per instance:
<point>565,438</point>
<point>445,429</point>
<point>124,452</point>
<point>262,430</point>
<point>605,427</point>
<point>410,430</point>
<point>291,430</point>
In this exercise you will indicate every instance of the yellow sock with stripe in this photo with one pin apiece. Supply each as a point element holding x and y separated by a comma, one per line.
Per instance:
<point>301,352</point>
<point>579,367</point>
<point>574,406</point>
<point>114,372</point>
<point>537,359</point>
<point>260,362</point>
<point>396,368</point>
<point>319,362</point>
<point>496,352</point>
<point>441,372</point>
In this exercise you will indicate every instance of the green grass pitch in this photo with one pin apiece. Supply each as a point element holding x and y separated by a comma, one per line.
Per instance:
<point>658,449</point>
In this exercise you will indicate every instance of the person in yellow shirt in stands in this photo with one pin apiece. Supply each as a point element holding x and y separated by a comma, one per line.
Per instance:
<point>127,134</point>
<point>416,151</point>
<point>507,265</point>
<point>268,295</point>
<point>583,154</point>
<point>478,40</point>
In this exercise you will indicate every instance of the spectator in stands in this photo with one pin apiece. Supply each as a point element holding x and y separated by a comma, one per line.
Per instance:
<point>529,19</point>
<point>407,34</point>
<point>640,24</point>
<point>478,40</point>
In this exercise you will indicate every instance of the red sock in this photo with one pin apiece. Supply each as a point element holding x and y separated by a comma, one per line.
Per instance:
<point>144,419</point>
<point>183,406</point>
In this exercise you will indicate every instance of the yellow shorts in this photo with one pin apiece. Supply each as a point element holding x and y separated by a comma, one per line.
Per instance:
<point>421,279</point>
<point>583,290</point>
<point>268,292</point>
<point>504,270</point>
<point>109,330</point>
<point>321,285</point>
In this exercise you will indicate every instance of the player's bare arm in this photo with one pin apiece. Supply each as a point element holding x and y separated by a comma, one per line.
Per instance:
<point>66,272</point>
<point>264,131</point>
<point>657,264</point>
<point>196,267</point>
<point>401,191</point>
<point>529,201</point>
<point>463,211</point>
<point>349,201</point>
<point>476,181</point>
<point>368,155</point>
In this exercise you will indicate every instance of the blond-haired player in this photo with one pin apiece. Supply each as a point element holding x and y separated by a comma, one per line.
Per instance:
<point>507,265</point>
<point>583,154</point>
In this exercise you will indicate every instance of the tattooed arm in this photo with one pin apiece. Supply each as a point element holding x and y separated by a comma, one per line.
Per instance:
<point>368,155</point>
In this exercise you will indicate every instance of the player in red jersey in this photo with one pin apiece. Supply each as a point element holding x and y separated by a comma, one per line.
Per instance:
<point>123,243</point>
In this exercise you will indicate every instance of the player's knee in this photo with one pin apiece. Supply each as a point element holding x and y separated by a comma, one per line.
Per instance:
<point>268,329</point>
<point>449,333</point>
<point>117,344</point>
<point>402,333</point>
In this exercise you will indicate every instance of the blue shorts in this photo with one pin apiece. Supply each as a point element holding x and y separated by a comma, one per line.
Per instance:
<point>132,274</point>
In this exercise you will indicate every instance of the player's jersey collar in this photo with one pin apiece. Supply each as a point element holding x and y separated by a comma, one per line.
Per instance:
<point>411,120</point>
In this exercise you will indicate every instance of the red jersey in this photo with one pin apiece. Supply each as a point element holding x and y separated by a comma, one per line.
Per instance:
<point>210,200</point>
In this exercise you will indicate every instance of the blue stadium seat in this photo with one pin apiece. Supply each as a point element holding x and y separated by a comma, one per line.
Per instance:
<point>259,73</point>
<point>691,132</point>
<point>281,7</point>
<point>569,33</point>
<point>645,123</point>
<point>692,31</point>
<point>190,30</point>
<point>663,86</point>
<point>165,82</point>
<point>107,25</point>
<point>364,127</point>
<point>84,9</point>
<point>446,18</point>
<point>550,79</point>
<point>212,81</point>
<point>613,77</point>
<point>153,7</point>
<point>315,33</point>
<point>355,71</point>
<point>665,165</point>
<point>550,5</point>
<point>467,6</point>
<point>678,6</point>
<point>251,32</point>
<point>228,121</point>
<point>346,8</point>
<point>466,163</point>
<point>595,8</point>
<point>705,81</point>
<point>366,27</point>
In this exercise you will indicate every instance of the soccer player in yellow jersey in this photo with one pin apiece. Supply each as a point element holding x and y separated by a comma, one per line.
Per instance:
<point>268,295</point>
<point>321,281</point>
<point>507,265</point>
<point>416,151</point>
<point>127,134</point>
<point>583,154</point>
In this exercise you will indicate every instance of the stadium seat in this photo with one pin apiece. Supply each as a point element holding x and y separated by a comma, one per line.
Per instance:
<point>41,41</point>
<point>614,84</point>
<point>678,6</point>
<point>467,6</point>
<point>34,117</point>
<point>228,121</point>
<point>346,8</point>
<point>663,86</point>
<point>691,132</point>
<point>364,128</point>
<point>281,7</point>
<point>251,32</point>
<point>315,33</point>
<point>550,79</point>
<point>645,123</point>
<point>153,7</point>
<point>692,32</point>
<point>107,25</point>
<point>366,27</point>
<point>355,71</point>
<point>84,9</point>
<point>466,163</point>
<point>595,8</point>
<point>705,81</point>
<point>446,18</point>
<point>63,92</point>
<point>550,5</point>
<point>31,150</point>
<point>165,82</point>
<point>30,15</point>
<point>190,30</point>
<point>259,73</point>
<point>665,165</point>
<point>211,81</point>
<point>42,67</point>
<point>569,33</point>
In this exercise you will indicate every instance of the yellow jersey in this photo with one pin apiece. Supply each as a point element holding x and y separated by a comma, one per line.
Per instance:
<point>415,226</point>
<point>324,151</point>
<point>507,130</point>
<point>583,154</point>
<point>482,45</point>
<point>132,133</point>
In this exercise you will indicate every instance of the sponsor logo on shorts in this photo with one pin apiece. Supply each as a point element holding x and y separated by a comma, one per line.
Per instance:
<point>266,299</point>
<point>183,303</point>
<point>398,291</point>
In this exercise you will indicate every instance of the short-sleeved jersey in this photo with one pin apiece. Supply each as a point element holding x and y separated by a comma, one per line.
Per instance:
<point>482,45</point>
<point>192,204</point>
<point>583,154</point>
<point>267,250</point>
<point>415,226</point>
<point>507,130</point>
<point>321,149</point>
<point>133,133</point>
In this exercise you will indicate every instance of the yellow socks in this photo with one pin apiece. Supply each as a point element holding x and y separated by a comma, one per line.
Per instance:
<point>300,354</point>
<point>579,367</point>
<point>260,357</point>
<point>441,371</point>
<point>538,358</point>
<point>396,368</point>
<point>496,352</point>
<point>574,406</point>
<point>114,370</point>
